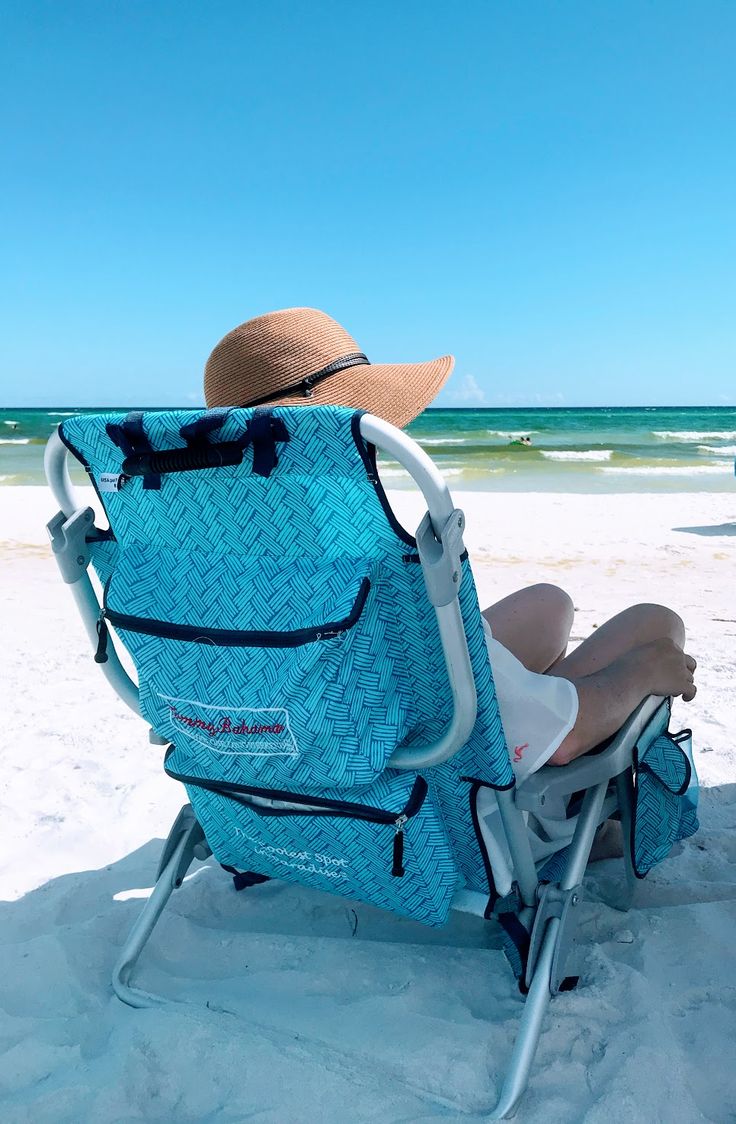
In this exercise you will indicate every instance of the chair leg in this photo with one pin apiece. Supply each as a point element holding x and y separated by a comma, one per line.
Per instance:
<point>530,1029</point>
<point>182,846</point>
<point>625,796</point>
<point>548,963</point>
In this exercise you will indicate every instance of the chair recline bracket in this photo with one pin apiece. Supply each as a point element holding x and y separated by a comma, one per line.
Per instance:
<point>186,826</point>
<point>562,905</point>
<point>69,542</point>
<point>441,557</point>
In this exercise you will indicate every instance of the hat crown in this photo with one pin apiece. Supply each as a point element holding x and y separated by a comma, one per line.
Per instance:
<point>273,352</point>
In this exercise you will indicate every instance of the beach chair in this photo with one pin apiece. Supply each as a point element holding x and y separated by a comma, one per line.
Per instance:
<point>320,680</point>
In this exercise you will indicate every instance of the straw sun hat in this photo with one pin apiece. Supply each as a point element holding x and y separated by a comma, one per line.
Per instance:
<point>302,357</point>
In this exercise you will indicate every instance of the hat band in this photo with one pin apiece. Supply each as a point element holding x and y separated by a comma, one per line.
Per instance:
<point>356,359</point>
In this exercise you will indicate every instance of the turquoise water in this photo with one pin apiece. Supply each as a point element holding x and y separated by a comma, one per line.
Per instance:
<point>617,449</point>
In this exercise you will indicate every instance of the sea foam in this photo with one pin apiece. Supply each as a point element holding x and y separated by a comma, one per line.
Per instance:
<point>694,435</point>
<point>672,470</point>
<point>721,450</point>
<point>511,434</point>
<point>441,440</point>
<point>582,455</point>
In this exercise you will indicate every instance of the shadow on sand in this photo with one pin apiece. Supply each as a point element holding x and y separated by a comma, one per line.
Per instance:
<point>720,529</point>
<point>294,1004</point>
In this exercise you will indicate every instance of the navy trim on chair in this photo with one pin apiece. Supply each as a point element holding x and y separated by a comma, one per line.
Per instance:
<point>100,535</point>
<point>368,457</point>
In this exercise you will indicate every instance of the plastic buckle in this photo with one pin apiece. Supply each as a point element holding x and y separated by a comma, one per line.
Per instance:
<point>511,903</point>
<point>440,558</point>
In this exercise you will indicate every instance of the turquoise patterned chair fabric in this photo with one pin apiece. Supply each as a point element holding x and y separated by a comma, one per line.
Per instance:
<point>666,799</point>
<point>285,647</point>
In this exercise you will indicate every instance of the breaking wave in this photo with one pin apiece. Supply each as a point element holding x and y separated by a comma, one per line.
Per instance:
<point>721,450</point>
<point>670,470</point>
<point>693,435</point>
<point>582,455</point>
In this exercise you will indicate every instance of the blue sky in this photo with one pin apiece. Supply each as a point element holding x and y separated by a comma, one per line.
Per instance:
<point>547,190</point>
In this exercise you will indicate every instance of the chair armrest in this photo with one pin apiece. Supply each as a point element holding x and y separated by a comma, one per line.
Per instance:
<point>439,540</point>
<point>555,781</point>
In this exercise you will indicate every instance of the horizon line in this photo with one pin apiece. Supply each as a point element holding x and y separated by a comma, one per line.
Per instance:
<point>55,408</point>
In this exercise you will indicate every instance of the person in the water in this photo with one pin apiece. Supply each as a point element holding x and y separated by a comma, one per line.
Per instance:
<point>521,441</point>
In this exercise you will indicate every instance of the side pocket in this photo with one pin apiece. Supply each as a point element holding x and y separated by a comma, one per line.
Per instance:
<point>665,799</point>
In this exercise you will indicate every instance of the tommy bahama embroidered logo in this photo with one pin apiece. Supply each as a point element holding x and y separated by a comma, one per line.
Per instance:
<point>225,725</point>
<point>240,731</point>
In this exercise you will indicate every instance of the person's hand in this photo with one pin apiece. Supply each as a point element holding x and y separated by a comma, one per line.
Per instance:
<point>668,670</point>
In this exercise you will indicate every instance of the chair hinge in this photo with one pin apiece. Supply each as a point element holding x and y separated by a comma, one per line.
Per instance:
<point>564,906</point>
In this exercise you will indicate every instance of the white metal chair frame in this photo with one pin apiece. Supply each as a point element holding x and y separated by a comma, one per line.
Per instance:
<point>549,912</point>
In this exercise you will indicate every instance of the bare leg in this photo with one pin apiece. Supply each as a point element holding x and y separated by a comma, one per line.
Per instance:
<point>534,624</point>
<point>638,625</point>
<point>635,654</point>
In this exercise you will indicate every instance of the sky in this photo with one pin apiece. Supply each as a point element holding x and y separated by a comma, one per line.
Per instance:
<point>547,190</point>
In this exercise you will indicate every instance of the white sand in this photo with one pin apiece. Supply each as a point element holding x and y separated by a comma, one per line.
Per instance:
<point>292,1016</point>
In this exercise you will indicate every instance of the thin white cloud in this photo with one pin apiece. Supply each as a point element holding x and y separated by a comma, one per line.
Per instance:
<point>468,392</point>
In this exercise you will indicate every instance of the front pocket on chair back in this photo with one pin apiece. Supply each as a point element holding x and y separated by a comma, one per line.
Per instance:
<point>312,706</point>
<point>387,847</point>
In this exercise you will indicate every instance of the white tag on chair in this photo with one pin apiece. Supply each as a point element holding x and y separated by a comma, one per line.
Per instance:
<point>110,481</point>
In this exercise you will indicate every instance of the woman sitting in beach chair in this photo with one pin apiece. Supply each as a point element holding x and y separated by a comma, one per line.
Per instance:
<point>303,745</point>
<point>554,707</point>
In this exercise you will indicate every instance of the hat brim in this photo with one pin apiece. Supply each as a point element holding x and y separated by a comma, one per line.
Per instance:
<point>396,392</point>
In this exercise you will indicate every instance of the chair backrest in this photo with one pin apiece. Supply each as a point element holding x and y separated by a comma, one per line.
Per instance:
<point>277,617</point>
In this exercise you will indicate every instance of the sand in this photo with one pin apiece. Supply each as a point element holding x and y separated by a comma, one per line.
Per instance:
<point>301,1007</point>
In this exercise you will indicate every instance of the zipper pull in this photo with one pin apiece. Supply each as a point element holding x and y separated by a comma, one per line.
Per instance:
<point>101,653</point>
<point>333,634</point>
<point>397,870</point>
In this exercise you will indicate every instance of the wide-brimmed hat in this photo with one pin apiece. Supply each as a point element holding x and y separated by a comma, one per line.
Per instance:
<point>302,357</point>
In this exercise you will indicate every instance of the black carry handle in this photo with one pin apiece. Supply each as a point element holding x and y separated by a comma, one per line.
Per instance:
<point>184,460</point>
<point>263,432</point>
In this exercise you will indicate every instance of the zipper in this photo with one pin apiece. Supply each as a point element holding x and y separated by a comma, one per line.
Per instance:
<point>397,867</point>
<point>226,637</point>
<point>102,634</point>
<point>318,806</point>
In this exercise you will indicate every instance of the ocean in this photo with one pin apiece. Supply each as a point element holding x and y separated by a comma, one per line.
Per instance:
<point>616,449</point>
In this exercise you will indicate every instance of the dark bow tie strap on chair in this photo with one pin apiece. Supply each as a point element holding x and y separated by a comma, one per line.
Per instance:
<point>262,432</point>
